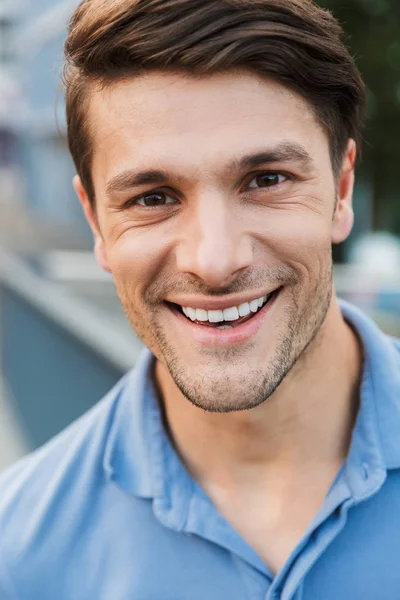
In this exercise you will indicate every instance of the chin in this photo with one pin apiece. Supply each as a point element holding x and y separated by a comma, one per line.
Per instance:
<point>217,390</point>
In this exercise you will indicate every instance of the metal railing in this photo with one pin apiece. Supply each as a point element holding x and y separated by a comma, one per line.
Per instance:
<point>60,353</point>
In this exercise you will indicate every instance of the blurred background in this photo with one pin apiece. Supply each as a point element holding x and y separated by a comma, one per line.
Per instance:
<point>64,340</point>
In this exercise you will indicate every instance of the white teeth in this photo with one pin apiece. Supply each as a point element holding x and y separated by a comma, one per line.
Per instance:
<point>231,314</point>
<point>244,309</point>
<point>254,306</point>
<point>215,316</point>
<point>201,315</point>
<point>228,314</point>
<point>192,313</point>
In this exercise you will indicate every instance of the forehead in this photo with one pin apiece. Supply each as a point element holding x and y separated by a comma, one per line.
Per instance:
<point>186,124</point>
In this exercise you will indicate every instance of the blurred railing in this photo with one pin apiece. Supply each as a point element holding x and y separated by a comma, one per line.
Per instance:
<point>60,353</point>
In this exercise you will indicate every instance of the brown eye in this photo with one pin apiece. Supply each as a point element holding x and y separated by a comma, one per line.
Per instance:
<point>155,199</point>
<point>265,180</point>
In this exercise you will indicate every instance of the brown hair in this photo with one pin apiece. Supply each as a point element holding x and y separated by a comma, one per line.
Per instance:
<point>292,41</point>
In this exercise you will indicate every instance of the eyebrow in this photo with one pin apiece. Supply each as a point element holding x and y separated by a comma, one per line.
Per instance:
<point>284,152</point>
<point>131,178</point>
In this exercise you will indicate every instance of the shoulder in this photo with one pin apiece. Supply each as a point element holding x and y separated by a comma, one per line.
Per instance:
<point>53,481</point>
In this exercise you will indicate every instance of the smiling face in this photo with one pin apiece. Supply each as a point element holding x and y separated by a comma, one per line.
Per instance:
<point>212,193</point>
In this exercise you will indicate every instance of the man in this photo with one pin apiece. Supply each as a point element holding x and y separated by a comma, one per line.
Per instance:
<point>254,451</point>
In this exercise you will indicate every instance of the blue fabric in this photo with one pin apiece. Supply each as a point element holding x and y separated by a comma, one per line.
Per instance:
<point>106,510</point>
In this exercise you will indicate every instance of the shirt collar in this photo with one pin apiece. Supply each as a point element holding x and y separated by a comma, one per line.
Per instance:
<point>138,455</point>
<point>127,455</point>
<point>140,459</point>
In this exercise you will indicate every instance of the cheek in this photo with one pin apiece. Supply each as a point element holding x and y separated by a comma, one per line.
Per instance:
<point>136,259</point>
<point>303,238</point>
<point>130,260</point>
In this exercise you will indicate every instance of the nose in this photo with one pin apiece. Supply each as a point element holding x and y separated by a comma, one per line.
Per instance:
<point>214,245</point>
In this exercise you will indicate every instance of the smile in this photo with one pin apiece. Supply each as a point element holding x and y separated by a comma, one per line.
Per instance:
<point>233,314</point>
<point>230,325</point>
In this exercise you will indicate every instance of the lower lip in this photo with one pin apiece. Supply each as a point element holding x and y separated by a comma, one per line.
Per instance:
<point>223,337</point>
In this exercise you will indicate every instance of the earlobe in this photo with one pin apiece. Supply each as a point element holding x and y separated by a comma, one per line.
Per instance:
<point>344,216</point>
<point>99,245</point>
<point>101,254</point>
<point>343,223</point>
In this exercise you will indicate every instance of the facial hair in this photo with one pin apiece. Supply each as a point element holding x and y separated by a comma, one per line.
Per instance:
<point>247,388</point>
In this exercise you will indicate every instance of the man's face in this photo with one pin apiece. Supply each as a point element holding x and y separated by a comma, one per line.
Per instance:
<point>213,193</point>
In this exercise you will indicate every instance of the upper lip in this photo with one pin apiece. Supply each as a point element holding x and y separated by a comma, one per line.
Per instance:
<point>207,303</point>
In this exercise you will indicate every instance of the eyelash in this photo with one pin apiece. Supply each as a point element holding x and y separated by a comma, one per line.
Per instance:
<point>134,201</point>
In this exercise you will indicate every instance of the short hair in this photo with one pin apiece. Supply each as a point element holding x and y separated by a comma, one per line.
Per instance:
<point>294,42</point>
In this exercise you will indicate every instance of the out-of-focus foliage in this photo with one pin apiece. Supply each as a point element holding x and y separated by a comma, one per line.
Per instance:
<point>373,35</point>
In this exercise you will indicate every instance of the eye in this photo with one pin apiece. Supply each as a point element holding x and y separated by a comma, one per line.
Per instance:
<point>267,180</point>
<point>153,199</point>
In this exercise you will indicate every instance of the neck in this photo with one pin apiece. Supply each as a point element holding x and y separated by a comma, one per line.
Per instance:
<point>306,424</point>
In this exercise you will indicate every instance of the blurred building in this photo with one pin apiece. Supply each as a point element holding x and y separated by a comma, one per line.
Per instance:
<point>9,89</point>
<point>38,40</point>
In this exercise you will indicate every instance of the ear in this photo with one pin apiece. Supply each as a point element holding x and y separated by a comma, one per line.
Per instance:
<point>99,245</point>
<point>344,217</point>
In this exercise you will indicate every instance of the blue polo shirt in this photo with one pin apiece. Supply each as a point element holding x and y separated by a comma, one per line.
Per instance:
<point>106,510</point>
